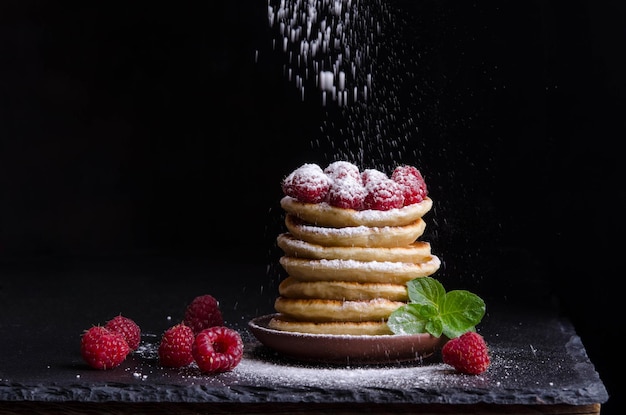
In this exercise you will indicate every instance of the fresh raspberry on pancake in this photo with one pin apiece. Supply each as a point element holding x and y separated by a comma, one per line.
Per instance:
<point>384,194</point>
<point>308,183</point>
<point>412,182</point>
<point>340,169</point>
<point>369,175</point>
<point>347,193</point>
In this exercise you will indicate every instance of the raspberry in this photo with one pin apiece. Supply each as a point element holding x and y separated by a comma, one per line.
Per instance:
<point>308,183</point>
<point>383,194</point>
<point>127,328</point>
<point>346,193</point>
<point>369,175</point>
<point>341,169</point>
<point>467,353</point>
<point>102,348</point>
<point>217,349</point>
<point>412,182</point>
<point>175,347</point>
<point>203,312</point>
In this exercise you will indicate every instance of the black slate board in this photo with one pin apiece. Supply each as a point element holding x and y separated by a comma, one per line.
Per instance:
<point>537,357</point>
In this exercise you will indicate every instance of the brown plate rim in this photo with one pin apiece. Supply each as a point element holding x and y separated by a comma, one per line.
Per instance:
<point>345,348</point>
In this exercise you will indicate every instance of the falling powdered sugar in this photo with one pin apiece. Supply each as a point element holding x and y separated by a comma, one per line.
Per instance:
<point>330,44</point>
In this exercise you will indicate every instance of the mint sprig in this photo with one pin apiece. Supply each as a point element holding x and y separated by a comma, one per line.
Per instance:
<point>433,310</point>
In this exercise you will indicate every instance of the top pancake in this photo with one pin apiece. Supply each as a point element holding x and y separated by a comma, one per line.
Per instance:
<point>323,214</point>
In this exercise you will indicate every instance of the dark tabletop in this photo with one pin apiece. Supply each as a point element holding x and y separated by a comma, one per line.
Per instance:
<point>537,357</point>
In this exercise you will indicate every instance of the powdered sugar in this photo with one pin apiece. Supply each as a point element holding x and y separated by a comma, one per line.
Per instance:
<point>331,45</point>
<point>331,378</point>
<point>347,231</point>
<point>257,368</point>
<point>385,266</point>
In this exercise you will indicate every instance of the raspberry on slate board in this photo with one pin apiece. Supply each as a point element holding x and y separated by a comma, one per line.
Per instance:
<point>175,347</point>
<point>203,312</point>
<point>217,349</point>
<point>467,353</point>
<point>127,328</point>
<point>102,348</point>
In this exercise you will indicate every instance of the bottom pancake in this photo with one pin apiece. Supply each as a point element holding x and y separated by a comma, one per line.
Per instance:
<point>369,328</point>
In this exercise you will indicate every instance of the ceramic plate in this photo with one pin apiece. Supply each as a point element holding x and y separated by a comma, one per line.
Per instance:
<point>345,349</point>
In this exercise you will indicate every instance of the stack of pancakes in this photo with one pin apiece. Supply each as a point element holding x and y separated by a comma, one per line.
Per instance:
<point>346,269</point>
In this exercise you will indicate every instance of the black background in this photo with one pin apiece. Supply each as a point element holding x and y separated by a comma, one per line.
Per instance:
<point>142,129</point>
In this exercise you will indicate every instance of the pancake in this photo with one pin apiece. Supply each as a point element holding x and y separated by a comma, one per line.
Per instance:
<point>417,251</point>
<point>323,214</point>
<point>341,290</point>
<point>318,310</point>
<point>385,237</point>
<point>371,328</point>
<point>358,271</point>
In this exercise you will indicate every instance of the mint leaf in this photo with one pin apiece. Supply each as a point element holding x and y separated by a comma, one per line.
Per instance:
<point>426,291</point>
<point>434,326</point>
<point>416,318</point>
<point>461,311</point>
<point>407,320</point>
<point>432,310</point>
